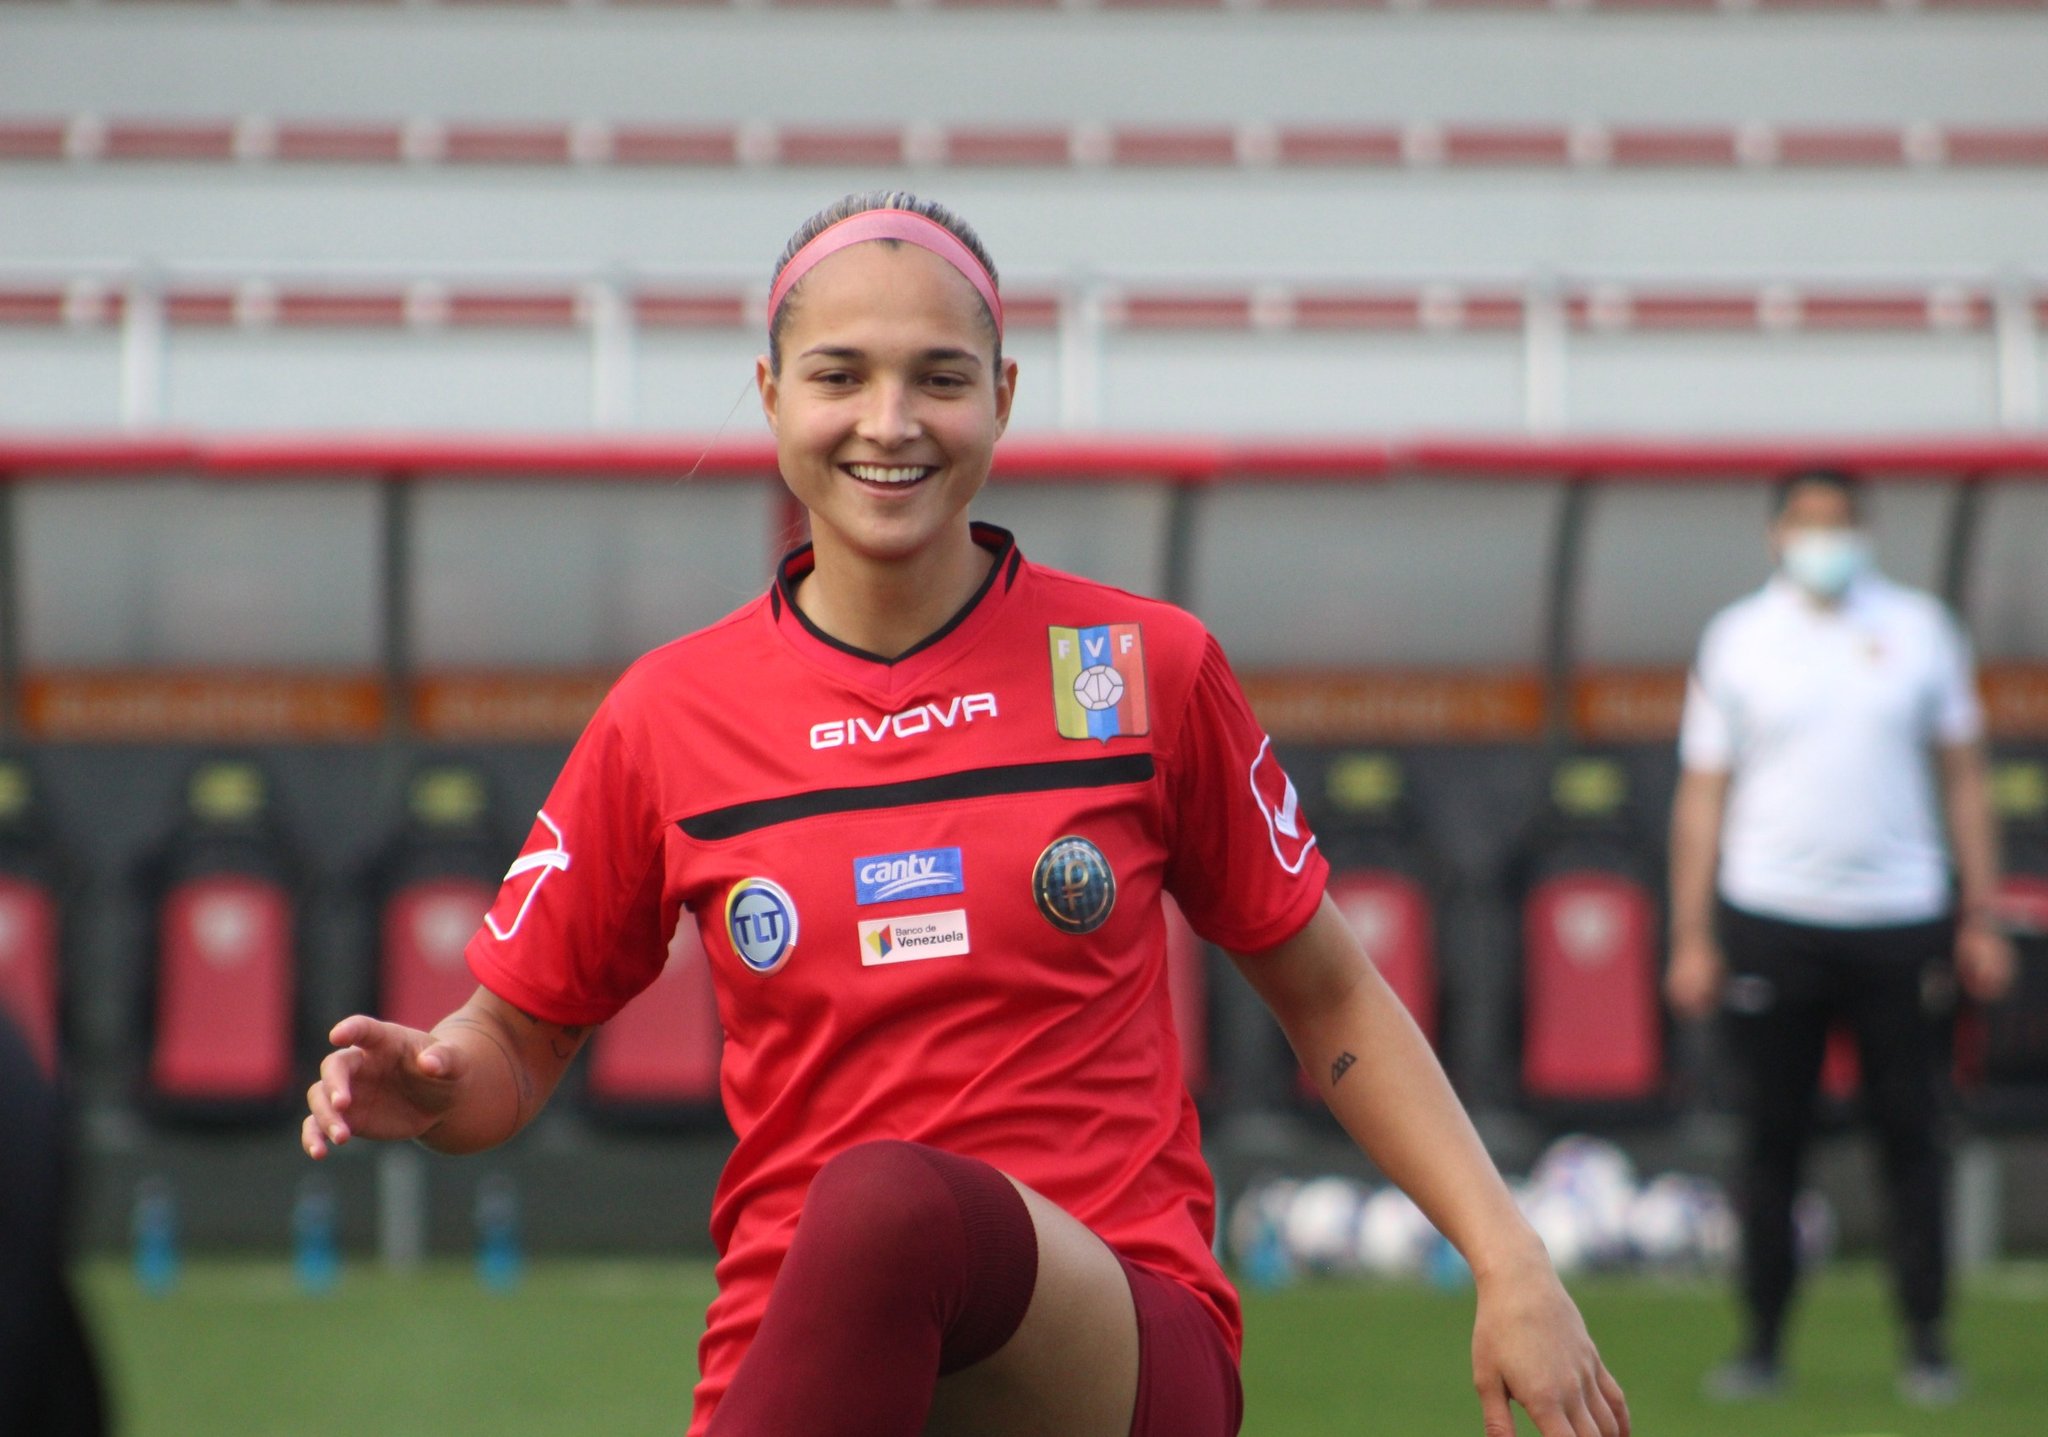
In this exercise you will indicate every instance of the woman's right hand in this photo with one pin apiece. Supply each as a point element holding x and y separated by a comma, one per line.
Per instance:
<point>382,1081</point>
<point>1692,985</point>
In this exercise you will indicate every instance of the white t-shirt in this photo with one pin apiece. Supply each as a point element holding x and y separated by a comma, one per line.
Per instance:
<point>1826,718</point>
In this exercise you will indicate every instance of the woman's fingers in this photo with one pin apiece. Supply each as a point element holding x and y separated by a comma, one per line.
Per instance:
<point>1494,1410</point>
<point>1617,1401</point>
<point>1605,1423</point>
<point>310,1139</point>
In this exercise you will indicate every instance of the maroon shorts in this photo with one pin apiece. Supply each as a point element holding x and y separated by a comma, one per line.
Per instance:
<point>1187,1380</point>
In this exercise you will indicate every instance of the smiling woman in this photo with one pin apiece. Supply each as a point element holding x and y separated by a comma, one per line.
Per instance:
<point>924,801</point>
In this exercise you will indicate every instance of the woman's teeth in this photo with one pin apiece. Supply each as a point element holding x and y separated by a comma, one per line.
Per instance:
<point>888,473</point>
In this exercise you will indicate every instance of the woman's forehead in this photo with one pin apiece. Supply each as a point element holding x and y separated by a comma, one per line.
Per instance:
<point>875,285</point>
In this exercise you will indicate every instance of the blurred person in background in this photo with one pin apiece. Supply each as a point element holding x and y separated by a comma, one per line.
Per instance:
<point>968,1194</point>
<point>1831,725</point>
<point>49,1382</point>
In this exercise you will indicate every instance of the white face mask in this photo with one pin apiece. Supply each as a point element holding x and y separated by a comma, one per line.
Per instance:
<point>1824,562</point>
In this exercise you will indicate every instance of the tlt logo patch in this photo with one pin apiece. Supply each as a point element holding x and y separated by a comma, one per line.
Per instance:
<point>1098,681</point>
<point>921,873</point>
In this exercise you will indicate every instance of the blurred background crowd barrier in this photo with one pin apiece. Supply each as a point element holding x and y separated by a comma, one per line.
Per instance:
<point>1438,356</point>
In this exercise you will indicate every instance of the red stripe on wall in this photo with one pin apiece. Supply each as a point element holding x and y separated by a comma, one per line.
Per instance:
<point>676,310</point>
<point>1488,145</point>
<point>1357,311</point>
<point>146,140</point>
<point>31,306</point>
<point>1846,147</point>
<point>506,145</point>
<point>1671,147</point>
<point>840,147</point>
<point>320,308</point>
<point>674,145</point>
<point>1046,147</point>
<point>531,310</point>
<point>1146,145</point>
<point>1979,146</point>
<point>1340,145</point>
<point>316,142</point>
<point>32,139</point>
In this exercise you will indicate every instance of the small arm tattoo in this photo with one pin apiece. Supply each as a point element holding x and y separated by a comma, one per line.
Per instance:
<point>1342,1066</point>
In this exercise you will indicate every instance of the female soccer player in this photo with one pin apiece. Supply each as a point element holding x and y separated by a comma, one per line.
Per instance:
<point>922,800</point>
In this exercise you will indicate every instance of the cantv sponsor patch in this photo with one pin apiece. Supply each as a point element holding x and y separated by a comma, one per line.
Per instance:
<point>907,939</point>
<point>920,873</point>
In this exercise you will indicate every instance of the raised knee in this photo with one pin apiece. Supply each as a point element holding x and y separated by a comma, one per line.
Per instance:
<point>882,1194</point>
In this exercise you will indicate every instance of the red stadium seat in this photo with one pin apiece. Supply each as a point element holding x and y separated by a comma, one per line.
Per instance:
<point>658,1057</point>
<point>1187,981</point>
<point>1591,1031</point>
<point>432,885</point>
<point>28,964</point>
<point>427,924</point>
<point>224,992</point>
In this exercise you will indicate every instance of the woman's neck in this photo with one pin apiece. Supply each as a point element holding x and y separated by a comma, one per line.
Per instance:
<point>887,607</point>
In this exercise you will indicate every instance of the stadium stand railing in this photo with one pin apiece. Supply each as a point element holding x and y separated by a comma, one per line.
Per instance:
<point>89,139</point>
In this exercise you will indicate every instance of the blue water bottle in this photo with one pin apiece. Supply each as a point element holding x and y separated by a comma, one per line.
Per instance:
<point>155,1227</point>
<point>316,1251</point>
<point>498,1259</point>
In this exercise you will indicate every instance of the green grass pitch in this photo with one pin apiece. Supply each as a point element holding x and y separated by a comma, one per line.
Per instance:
<point>610,1347</point>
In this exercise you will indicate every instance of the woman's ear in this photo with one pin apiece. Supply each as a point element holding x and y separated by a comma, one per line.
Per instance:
<point>766,381</point>
<point>1006,395</point>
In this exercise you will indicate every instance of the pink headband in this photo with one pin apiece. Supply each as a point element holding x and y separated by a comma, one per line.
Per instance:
<point>906,225</point>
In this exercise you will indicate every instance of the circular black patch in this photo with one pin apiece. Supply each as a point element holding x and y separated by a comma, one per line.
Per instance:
<point>1073,885</point>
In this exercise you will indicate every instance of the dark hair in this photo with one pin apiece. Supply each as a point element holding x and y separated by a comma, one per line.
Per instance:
<point>1840,480</point>
<point>861,203</point>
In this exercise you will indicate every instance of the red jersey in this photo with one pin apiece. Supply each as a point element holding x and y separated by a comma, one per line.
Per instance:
<point>929,890</point>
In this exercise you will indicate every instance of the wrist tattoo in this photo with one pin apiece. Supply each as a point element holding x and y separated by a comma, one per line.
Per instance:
<point>1342,1066</point>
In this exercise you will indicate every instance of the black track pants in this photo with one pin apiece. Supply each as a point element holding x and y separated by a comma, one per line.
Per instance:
<point>1788,984</point>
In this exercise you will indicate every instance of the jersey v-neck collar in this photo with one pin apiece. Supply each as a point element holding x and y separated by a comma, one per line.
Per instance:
<point>934,651</point>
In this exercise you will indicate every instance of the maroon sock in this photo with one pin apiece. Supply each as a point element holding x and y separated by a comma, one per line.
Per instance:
<point>908,1263</point>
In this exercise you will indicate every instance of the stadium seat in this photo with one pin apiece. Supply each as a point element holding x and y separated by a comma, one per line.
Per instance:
<point>655,1064</point>
<point>433,886</point>
<point>1592,1026</point>
<point>31,984</point>
<point>223,1028</point>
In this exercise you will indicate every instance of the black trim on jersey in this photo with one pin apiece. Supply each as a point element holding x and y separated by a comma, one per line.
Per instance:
<point>992,782</point>
<point>1004,548</point>
<point>1010,569</point>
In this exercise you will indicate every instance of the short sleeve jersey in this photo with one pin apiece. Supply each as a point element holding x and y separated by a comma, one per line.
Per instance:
<point>1824,719</point>
<point>930,892</point>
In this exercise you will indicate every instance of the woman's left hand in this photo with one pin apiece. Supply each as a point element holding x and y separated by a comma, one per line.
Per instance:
<point>1529,1345</point>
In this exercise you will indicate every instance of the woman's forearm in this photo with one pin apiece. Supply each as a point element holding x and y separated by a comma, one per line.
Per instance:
<point>1382,1081</point>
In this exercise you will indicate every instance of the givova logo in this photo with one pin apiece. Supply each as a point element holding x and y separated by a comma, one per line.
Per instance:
<point>921,873</point>
<point>905,940</point>
<point>760,919</point>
